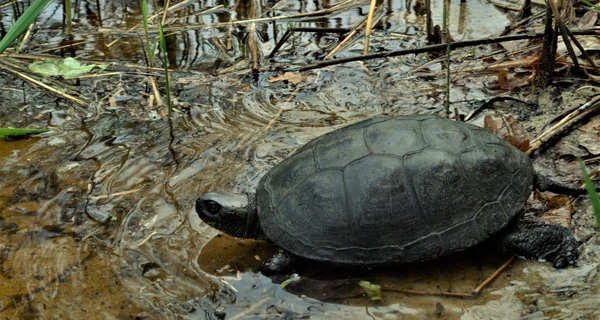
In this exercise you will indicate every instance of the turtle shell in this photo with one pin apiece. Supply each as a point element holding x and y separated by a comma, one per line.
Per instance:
<point>393,189</point>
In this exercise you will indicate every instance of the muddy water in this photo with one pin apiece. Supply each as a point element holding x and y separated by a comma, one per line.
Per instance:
<point>97,216</point>
<point>99,220</point>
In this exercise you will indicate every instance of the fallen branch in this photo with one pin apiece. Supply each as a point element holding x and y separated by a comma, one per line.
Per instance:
<point>576,115</point>
<point>432,48</point>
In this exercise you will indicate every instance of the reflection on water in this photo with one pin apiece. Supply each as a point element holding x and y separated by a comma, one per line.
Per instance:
<point>106,30</point>
<point>97,217</point>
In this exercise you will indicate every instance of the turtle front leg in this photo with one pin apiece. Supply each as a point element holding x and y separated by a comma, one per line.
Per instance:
<point>551,243</point>
<point>280,261</point>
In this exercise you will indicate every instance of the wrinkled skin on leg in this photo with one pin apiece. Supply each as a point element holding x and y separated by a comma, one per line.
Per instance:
<point>552,243</point>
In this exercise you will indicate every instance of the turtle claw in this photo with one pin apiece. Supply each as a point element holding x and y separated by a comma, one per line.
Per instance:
<point>280,261</point>
<point>568,254</point>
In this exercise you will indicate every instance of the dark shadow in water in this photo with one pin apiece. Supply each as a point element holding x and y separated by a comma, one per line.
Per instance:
<point>461,272</point>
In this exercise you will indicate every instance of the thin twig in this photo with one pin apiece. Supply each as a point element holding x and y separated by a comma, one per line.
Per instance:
<point>473,292</point>
<point>492,277</point>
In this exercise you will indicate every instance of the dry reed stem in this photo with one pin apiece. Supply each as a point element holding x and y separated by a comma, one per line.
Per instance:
<point>563,31</point>
<point>165,11</point>
<point>346,39</point>
<point>369,26</point>
<point>61,47</point>
<point>567,34</point>
<point>155,91</point>
<point>98,75</point>
<point>174,7</point>
<point>253,45</point>
<point>569,120</point>
<point>349,37</point>
<point>344,5</point>
<point>26,37</point>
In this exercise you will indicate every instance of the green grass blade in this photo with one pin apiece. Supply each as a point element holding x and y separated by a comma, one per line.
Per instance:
<point>69,17</point>
<point>11,132</point>
<point>21,25</point>
<point>591,189</point>
<point>165,57</point>
<point>589,4</point>
<point>150,47</point>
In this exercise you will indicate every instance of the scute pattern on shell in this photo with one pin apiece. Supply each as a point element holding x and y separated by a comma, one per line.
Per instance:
<point>393,189</point>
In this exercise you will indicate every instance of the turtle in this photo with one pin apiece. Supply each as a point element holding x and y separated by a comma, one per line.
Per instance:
<point>396,189</point>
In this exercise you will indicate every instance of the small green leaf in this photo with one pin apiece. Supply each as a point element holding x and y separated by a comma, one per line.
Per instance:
<point>67,68</point>
<point>293,278</point>
<point>11,132</point>
<point>373,291</point>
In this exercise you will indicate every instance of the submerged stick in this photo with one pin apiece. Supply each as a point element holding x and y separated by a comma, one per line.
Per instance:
<point>471,294</point>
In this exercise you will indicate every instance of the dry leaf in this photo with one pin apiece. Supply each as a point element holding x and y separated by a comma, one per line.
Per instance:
<point>588,20</point>
<point>514,45</point>
<point>554,209</point>
<point>590,141</point>
<point>522,145</point>
<point>288,76</point>
<point>513,134</point>
<point>510,84</point>
<point>491,124</point>
<point>560,210</point>
<point>589,43</point>
<point>590,137</point>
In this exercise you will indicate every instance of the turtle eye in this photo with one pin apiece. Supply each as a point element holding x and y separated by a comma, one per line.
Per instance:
<point>212,207</point>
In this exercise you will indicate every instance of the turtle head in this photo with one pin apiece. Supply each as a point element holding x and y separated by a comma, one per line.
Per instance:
<point>234,214</point>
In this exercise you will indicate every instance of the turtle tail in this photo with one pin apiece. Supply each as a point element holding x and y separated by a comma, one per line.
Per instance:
<point>543,183</point>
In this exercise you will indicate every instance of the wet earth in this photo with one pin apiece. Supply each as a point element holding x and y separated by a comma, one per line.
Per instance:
<point>97,217</point>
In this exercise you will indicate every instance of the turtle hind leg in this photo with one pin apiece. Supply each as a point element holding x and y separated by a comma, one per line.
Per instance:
<point>281,261</point>
<point>551,243</point>
<point>543,183</point>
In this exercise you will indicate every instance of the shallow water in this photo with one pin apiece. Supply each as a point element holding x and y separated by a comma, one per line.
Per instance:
<point>97,216</point>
